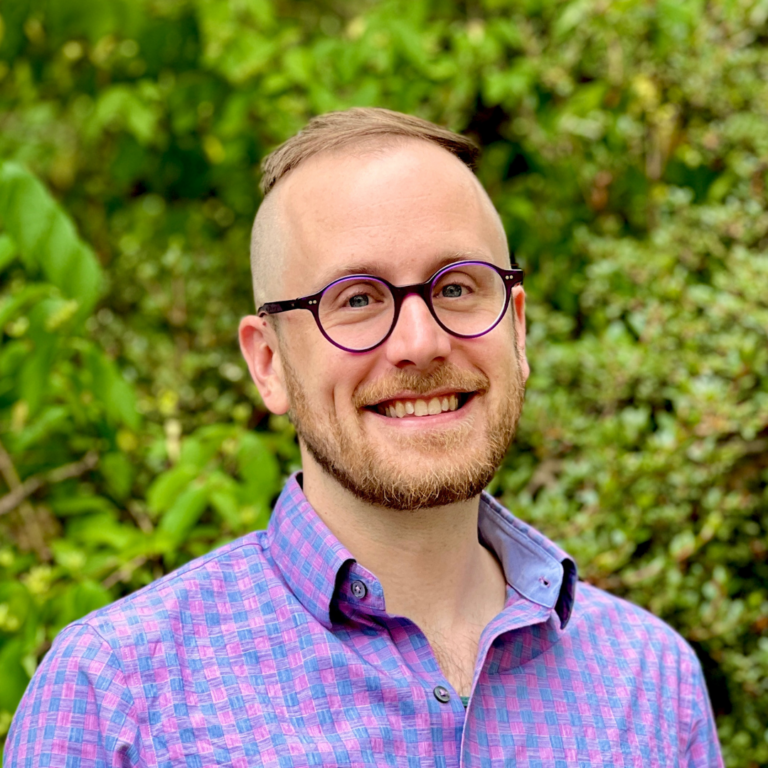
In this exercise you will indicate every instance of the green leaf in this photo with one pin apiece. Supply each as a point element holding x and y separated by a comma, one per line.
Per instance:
<point>226,504</point>
<point>111,389</point>
<point>168,486</point>
<point>118,472</point>
<point>223,494</point>
<point>103,529</point>
<point>183,514</point>
<point>35,374</point>
<point>7,253</point>
<point>258,467</point>
<point>51,419</point>
<point>79,600</point>
<point>199,448</point>
<point>46,237</point>
<point>26,210</point>
<point>122,105</point>
<point>12,673</point>
<point>16,303</point>
<point>17,604</point>
<point>66,506</point>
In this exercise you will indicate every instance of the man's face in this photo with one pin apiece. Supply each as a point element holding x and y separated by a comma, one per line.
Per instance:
<point>399,213</point>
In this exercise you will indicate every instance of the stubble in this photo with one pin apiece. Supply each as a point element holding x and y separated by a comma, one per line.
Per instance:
<point>347,455</point>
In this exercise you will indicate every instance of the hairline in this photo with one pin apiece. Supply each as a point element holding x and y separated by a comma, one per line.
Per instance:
<point>356,146</point>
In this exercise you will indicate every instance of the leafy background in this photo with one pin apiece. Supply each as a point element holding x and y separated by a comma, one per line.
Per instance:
<point>626,147</point>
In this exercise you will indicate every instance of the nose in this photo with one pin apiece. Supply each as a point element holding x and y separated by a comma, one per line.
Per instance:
<point>417,339</point>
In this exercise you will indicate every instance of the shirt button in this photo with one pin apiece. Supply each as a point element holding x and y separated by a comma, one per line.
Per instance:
<point>359,590</point>
<point>442,694</point>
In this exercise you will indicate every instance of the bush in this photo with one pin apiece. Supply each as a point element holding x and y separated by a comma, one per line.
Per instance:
<point>626,147</point>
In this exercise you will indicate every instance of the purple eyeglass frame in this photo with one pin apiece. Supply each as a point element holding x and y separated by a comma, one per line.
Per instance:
<point>510,277</point>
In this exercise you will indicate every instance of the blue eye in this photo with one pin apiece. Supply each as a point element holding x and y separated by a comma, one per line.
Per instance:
<point>359,301</point>
<point>452,291</point>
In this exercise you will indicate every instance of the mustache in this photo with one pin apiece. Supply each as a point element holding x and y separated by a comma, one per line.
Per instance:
<point>447,377</point>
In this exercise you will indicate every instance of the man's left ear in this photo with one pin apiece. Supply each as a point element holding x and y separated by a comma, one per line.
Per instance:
<point>518,307</point>
<point>258,343</point>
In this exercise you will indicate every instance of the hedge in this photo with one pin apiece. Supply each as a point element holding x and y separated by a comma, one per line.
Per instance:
<point>626,148</point>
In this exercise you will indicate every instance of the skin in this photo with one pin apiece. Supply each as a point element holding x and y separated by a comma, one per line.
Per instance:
<point>399,214</point>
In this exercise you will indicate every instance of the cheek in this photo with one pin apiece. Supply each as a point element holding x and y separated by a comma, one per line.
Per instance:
<point>498,351</point>
<point>344,375</point>
<point>335,382</point>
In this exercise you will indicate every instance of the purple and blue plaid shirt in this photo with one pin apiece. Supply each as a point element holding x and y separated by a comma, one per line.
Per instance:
<point>277,650</point>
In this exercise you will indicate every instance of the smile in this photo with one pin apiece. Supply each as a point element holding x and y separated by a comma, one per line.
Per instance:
<point>431,406</point>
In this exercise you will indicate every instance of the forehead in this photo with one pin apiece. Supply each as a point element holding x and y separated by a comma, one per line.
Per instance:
<point>399,212</point>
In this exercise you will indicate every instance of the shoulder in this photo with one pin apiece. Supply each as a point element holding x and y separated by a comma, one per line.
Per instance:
<point>103,669</point>
<point>76,703</point>
<point>208,587</point>
<point>630,650</point>
<point>614,627</point>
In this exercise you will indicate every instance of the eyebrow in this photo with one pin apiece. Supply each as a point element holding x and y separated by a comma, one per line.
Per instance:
<point>368,268</point>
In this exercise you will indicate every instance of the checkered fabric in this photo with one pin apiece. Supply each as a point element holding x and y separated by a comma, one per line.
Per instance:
<point>277,650</point>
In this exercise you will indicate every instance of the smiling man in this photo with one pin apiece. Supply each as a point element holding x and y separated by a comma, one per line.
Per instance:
<point>393,613</point>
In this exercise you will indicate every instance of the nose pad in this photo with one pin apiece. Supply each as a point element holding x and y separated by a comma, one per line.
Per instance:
<point>417,338</point>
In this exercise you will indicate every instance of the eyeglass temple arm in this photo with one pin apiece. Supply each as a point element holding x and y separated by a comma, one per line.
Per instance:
<point>275,307</point>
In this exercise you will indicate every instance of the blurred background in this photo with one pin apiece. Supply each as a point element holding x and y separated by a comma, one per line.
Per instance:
<point>626,147</point>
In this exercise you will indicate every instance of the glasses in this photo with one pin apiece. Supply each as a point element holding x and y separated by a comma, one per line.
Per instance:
<point>358,313</point>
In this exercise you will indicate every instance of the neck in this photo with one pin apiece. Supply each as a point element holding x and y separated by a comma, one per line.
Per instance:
<point>430,563</point>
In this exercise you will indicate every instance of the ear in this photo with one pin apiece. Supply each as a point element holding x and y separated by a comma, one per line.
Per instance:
<point>258,343</point>
<point>518,307</point>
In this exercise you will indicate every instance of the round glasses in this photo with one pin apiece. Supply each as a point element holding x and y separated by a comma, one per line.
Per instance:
<point>358,313</point>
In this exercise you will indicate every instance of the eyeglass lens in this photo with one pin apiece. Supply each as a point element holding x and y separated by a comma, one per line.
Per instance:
<point>357,313</point>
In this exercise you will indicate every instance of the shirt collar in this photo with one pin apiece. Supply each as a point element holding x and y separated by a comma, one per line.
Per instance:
<point>308,555</point>
<point>533,565</point>
<point>312,560</point>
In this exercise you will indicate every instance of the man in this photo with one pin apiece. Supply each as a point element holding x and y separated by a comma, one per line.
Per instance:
<point>392,613</point>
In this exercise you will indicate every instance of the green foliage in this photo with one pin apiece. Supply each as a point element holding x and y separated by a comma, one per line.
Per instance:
<point>626,147</point>
<point>76,457</point>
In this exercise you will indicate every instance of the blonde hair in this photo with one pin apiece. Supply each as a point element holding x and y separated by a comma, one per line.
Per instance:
<point>364,127</point>
<point>337,130</point>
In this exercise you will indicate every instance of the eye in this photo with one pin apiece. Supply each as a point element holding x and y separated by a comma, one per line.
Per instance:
<point>452,291</point>
<point>359,301</point>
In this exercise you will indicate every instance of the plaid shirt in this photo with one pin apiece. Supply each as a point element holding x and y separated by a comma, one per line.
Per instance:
<point>277,650</point>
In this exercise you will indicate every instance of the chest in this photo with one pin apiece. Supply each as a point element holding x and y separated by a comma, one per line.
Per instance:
<point>456,655</point>
<point>372,698</point>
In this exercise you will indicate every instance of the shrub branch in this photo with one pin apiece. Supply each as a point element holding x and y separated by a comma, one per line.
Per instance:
<point>19,491</point>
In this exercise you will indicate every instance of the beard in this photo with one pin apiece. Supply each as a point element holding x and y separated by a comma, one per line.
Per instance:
<point>446,471</point>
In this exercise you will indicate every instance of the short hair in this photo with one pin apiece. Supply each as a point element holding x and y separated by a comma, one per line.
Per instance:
<point>336,130</point>
<point>330,132</point>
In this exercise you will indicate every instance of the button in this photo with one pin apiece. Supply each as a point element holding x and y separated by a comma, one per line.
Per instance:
<point>359,590</point>
<point>442,694</point>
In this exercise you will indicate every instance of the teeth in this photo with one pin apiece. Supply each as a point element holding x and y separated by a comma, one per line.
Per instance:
<point>397,409</point>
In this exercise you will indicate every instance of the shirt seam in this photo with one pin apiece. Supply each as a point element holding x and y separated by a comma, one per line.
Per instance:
<point>177,575</point>
<point>88,626</point>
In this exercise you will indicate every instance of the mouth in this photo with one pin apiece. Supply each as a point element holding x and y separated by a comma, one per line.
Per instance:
<point>421,406</point>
